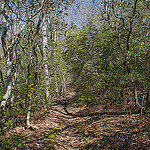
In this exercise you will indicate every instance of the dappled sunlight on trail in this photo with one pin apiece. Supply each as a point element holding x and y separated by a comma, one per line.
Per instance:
<point>87,128</point>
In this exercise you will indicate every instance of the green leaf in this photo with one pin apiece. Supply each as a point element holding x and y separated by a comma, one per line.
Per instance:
<point>6,123</point>
<point>19,144</point>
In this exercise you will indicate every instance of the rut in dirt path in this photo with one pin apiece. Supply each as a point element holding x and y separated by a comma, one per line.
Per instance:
<point>67,139</point>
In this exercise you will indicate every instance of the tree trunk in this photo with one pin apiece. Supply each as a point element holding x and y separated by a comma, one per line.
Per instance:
<point>45,53</point>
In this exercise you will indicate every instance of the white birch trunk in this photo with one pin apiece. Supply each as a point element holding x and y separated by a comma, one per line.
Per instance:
<point>8,63</point>
<point>28,115</point>
<point>8,60</point>
<point>45,48</point>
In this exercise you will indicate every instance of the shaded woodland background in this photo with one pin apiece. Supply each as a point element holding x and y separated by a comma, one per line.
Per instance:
<point>99,48</point>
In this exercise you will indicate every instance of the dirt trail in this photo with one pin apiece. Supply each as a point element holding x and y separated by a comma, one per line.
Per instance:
<point>91,128</point>
<point>67,139</point>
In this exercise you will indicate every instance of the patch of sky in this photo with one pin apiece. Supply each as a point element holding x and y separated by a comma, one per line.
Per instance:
<point>82,11</point>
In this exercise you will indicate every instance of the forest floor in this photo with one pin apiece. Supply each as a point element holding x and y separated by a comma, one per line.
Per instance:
<point>87,128</point>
